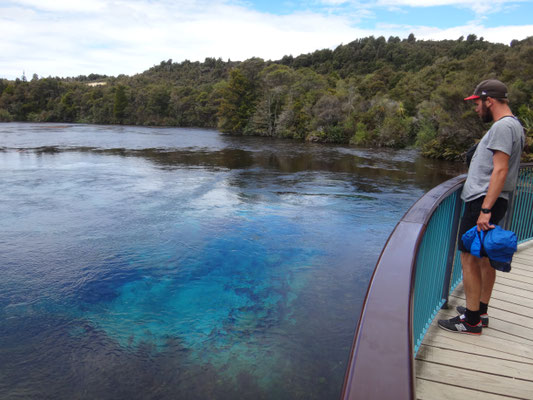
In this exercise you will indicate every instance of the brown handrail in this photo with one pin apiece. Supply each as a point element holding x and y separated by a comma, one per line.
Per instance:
<point>381,361</point>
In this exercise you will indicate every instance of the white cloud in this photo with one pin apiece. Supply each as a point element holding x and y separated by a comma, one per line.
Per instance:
<point>503,34</point>
<point>64,5</point>
<point>131,37</point>
<point>119,36</point>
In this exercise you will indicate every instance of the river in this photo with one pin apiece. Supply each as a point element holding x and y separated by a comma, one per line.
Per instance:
<point>172,263</point>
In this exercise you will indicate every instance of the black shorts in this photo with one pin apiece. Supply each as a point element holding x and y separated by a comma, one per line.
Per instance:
<point>471,214</point>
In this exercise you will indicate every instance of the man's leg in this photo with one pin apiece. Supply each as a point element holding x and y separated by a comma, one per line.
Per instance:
<point>488,274</point>
<point>469,322</point>
<point>488,277</point>
<point>472,279</point>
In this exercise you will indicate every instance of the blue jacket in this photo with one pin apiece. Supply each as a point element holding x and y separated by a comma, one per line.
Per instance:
<point>497,244</point>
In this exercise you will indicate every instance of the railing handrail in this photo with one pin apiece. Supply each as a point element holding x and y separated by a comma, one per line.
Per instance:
<point>381,361</point>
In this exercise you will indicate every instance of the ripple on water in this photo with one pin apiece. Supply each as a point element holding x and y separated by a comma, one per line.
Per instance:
<point>164,263</point>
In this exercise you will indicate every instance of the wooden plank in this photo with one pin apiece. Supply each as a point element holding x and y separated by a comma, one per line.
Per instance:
<point>517,269</point>
<point>528,251</point>
<point>524,252</point>
<point>525,247</point>
<point>495,340</point>
<point>503,294</point>
<point>521,267</point>
<point>521,282</point>
<point>525,257</point>
<point>515,291</point>
<point>511,308</point>
<point>471,379</point>
<point>522,256</point>
<point>525,261</point>
<point>503,305</point>
<point>502,315</point>
<point>521,263</point>
<point>451,343</point>
<point>429,390</point>
<point>524,282</point>
<point>509,337</point>
<point>479,362</point>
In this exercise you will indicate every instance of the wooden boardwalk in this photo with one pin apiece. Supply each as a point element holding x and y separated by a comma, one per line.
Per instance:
<point>496,365</point>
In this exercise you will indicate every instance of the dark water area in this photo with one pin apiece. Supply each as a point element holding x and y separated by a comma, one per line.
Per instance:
<point>170,263</point>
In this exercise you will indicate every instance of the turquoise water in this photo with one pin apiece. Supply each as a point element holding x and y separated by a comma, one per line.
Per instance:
<point>152,263</point>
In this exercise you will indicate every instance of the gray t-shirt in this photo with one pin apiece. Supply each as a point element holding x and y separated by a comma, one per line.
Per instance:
<point>506,135</point>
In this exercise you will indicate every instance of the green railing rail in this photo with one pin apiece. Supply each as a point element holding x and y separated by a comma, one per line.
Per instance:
<point>417,270</point>
<point>521,217</point>
<point>434,264</point>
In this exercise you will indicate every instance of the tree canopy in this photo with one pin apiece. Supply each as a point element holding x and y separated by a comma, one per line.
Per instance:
<point>370,92</point>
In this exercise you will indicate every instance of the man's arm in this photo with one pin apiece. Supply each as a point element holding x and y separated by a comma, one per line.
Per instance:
<point>497,180</point>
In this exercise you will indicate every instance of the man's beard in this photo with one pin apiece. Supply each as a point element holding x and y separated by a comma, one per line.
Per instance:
<point>486,114</point>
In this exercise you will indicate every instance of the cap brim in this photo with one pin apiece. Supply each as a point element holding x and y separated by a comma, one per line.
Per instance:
<point>473,97</point>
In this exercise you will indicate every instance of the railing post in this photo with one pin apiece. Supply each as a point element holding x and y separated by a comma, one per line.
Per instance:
<point>452,248</point>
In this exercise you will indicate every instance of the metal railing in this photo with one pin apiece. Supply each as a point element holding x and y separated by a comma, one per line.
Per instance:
<point>522,208</point>
<point>417,270</point>
<point>434,264</point>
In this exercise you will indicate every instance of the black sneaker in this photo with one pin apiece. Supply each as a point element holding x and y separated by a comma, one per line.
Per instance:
<point>459,325</point>
<point>484,317</point>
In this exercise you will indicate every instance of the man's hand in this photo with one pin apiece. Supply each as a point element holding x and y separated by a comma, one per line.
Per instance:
<point>483,222</point>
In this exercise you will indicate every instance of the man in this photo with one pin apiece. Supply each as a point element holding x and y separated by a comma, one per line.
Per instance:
<point>491,178</point>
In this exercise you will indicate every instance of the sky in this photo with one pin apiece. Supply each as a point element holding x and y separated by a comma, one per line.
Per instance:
<point>68,38</point>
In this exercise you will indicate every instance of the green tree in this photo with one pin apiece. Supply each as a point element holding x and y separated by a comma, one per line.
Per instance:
<point>120,104</point>
<point>67,108</point>
<point>371,92</point>
<point>525,113</point>
<point>275,84</point>
<point>158,100</point>
<point>237,104</point>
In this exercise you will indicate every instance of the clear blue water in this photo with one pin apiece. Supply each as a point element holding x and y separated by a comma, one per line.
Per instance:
<point>162,263</point>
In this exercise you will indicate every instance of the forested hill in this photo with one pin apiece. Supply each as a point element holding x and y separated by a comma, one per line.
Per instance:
<point>370,92</point>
